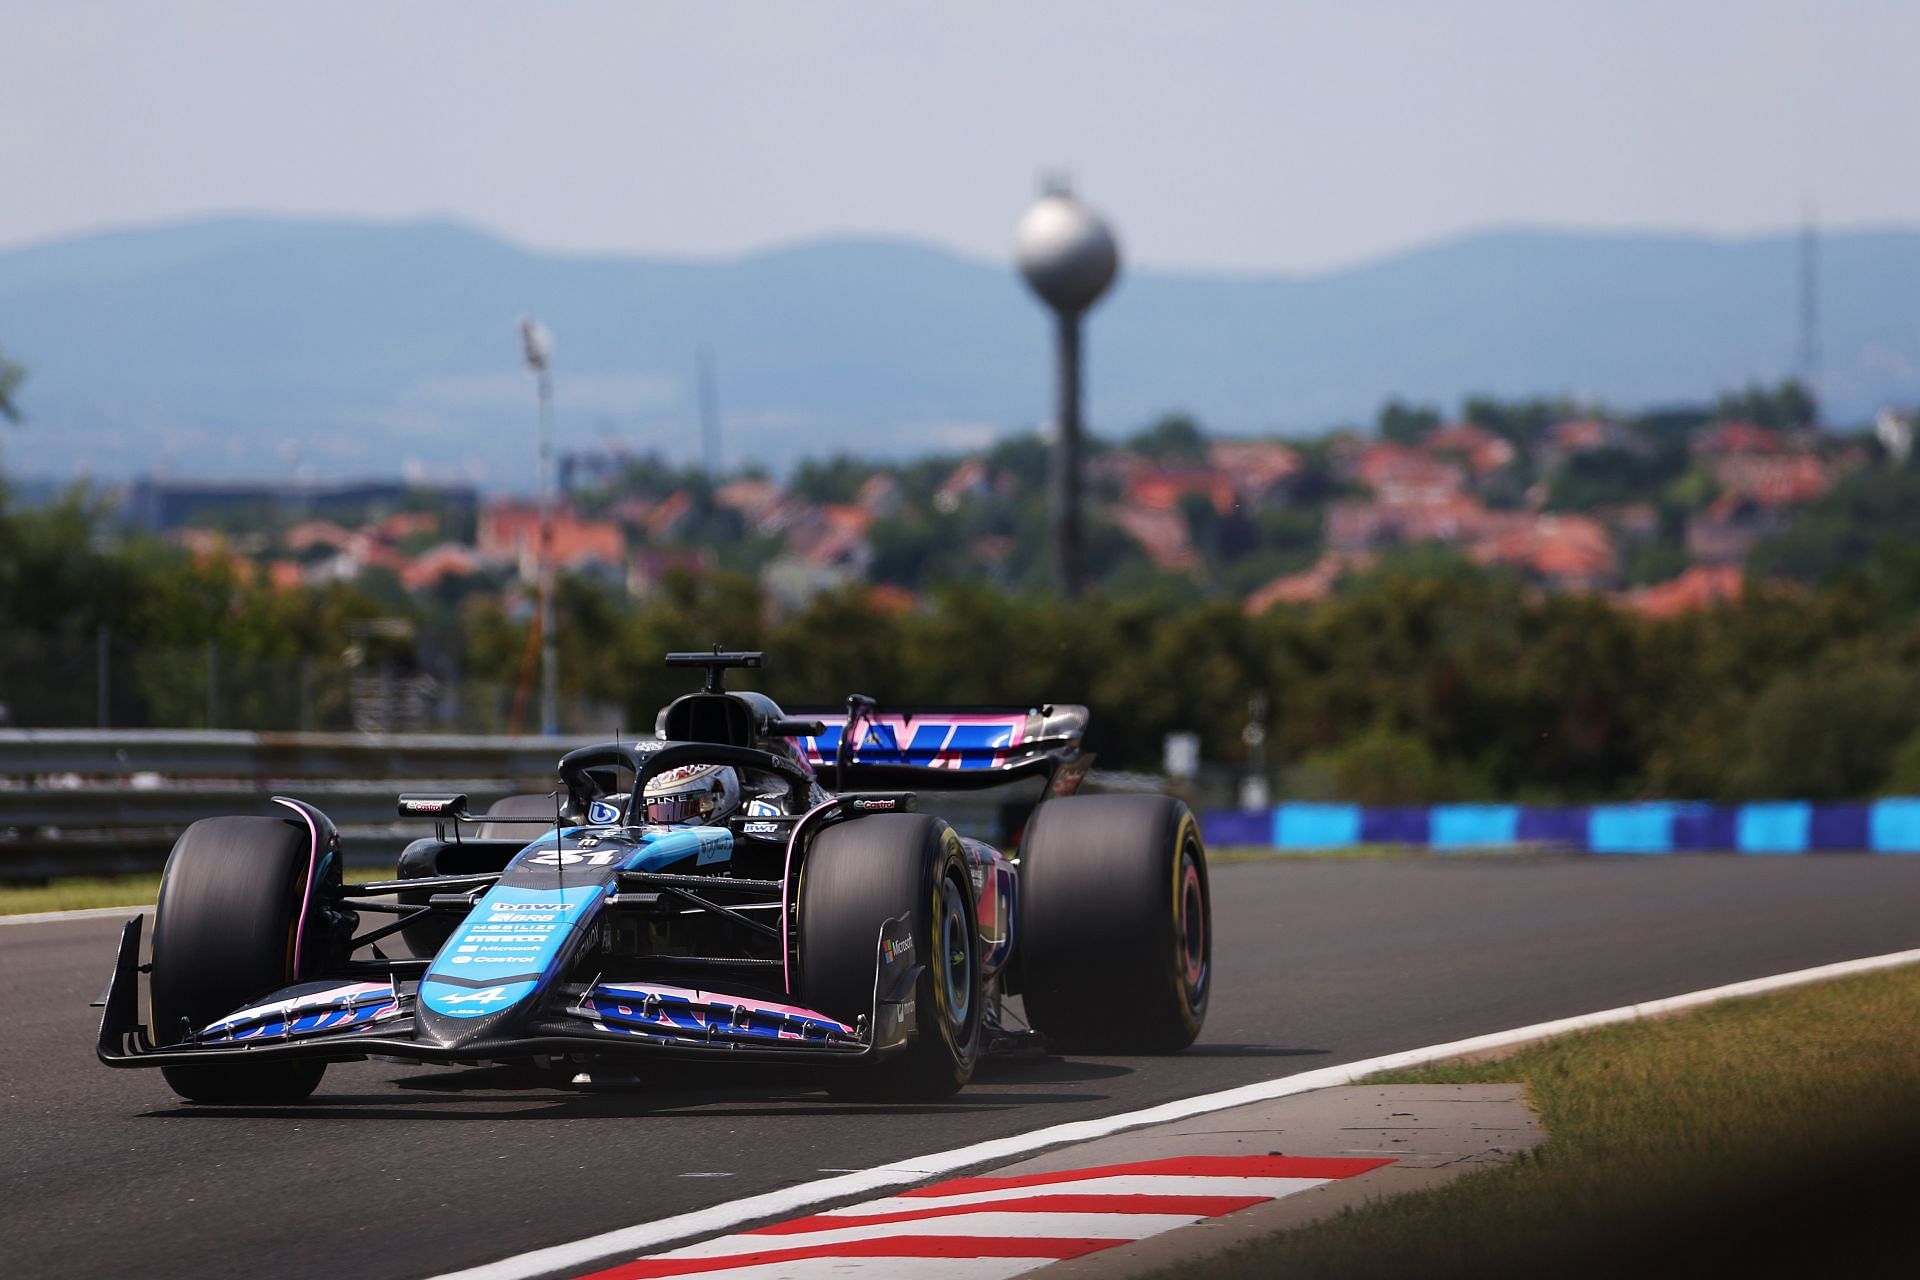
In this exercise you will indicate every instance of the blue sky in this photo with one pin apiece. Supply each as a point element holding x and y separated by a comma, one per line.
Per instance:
<point>1244,137</point>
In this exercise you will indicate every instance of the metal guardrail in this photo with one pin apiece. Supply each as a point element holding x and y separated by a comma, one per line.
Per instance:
<point>306,756</point>
<point>92,802</point>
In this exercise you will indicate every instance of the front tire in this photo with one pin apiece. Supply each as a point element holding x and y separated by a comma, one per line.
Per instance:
<point>1116,937</point>
<point>858,875</point>
<point>224,932</point>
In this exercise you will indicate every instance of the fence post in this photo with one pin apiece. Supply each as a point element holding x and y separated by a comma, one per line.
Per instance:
<point>306,693</point>
<point>213,683</point>
<point>103,687</point>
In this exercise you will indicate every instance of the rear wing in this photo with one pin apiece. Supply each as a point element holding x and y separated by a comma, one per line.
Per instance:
<point>946,748</point>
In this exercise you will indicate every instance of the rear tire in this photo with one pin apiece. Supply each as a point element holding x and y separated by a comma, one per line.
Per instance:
<point>1116,937</point>
<point>859,875</point>
<point>224,931</point>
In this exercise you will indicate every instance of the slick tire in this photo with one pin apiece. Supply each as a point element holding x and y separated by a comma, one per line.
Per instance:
<point>857,876</point>
<point>1116,936</point>
<point>224,931</point>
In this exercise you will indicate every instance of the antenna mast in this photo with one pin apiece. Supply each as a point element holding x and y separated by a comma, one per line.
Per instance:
<point>1810,305</point>
<point>709,414</point>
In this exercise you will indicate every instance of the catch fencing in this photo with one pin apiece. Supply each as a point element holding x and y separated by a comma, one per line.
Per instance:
<point>1772,827</point>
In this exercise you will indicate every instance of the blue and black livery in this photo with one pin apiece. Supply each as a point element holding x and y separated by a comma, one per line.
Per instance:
<point>812,925</point>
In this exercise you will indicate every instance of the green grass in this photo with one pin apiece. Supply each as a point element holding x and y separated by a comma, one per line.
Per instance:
<point>75,893</point>
<point>1769,1136</point>
<point>72,893</point>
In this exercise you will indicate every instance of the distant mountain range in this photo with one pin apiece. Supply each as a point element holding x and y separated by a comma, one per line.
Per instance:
<point>265,347</point>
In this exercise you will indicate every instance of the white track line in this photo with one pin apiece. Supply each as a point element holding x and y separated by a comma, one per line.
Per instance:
<point>89,913</point>
<point>785,1201</point>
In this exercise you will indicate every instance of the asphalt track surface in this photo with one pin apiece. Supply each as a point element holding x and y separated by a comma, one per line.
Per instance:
<point>397,1171</point>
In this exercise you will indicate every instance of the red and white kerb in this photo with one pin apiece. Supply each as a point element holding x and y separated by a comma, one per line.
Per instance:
<point>987,1228</point>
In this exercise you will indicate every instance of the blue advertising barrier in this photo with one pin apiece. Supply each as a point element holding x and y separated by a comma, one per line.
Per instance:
<point>1648,827</point>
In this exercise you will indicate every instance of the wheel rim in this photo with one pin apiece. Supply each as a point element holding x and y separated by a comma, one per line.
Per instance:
<point>955,962</point>
<point>1193,924</point>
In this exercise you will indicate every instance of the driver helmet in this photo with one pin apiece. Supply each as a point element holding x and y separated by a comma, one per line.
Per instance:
<point>704,793</point>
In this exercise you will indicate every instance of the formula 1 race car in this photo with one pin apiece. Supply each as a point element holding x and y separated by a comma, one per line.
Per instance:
<point>698,895</point>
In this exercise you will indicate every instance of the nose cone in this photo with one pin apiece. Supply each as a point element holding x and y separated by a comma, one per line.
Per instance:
<point>1066,253</point>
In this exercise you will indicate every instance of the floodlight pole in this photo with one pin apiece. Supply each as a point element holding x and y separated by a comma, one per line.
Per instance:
<point>549,652</point>
<point>537,344</point>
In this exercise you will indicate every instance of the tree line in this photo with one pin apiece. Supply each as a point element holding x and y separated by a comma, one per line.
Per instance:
<point>1426,679</point>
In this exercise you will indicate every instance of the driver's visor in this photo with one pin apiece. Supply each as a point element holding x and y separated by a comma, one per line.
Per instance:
<point>669,809</point>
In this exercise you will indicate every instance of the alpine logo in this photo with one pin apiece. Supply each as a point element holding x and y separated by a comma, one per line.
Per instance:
<point>492,995</point>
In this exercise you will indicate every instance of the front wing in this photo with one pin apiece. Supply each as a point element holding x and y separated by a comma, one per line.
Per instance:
<point>344,1021</point>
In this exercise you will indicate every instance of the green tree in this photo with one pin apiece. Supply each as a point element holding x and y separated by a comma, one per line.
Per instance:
<point>837,479</point>
<point>1519,421</point>
<point>1404,423</point>
<point>1784,407</point>
<point>1174,437</point>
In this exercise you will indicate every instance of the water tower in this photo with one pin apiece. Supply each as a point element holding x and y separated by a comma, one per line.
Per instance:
<point>1070,259</point>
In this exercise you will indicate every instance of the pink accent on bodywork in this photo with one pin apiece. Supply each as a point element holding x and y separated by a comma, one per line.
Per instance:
<point>902,723</point>
<point>786,882</point>
<point>313,870</point>
<point>696,996</point>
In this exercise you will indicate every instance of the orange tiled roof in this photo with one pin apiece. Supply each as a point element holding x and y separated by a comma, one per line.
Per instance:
<point>1161,488</point>
<point>1397,474</point>
<point>1161,534</point>
<point>433,566</point>
<point>1737,437</point>
<point>1773,480</point>
<point>885,597</point>
<point>666,516</point>
<point>1483,450</point>
<point>1255,465</point>
<point>754,499</point>
<point>316,533</point>
<point>1306,587</point>
<point>1700,587</point>
<point>1574,550</point>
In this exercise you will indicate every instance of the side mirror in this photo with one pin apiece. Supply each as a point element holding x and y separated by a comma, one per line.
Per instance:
<point>416,804</point>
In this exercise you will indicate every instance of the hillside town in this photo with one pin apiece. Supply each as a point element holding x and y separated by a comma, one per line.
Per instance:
<point>1661,513</point>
